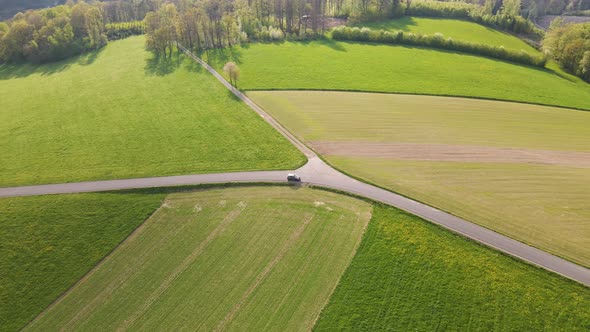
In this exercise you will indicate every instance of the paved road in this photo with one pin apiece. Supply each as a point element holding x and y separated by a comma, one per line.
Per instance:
<point>316,172</point>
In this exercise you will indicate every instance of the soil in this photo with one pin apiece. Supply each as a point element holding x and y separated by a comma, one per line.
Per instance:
<point>457,153</point>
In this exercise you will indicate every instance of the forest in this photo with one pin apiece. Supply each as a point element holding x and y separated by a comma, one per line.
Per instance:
<point>569,45</point>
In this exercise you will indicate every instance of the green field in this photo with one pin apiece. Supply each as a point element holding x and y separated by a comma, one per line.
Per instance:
<point>409,275</point>
<point>247,259</point>
<point>119,113</point>
<point>332,65</point>
<point>49,242</point>
<point>456,29</point>
<point>522,170</point>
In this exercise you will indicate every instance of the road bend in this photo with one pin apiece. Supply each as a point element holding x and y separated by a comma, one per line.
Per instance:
<point>317,172</point>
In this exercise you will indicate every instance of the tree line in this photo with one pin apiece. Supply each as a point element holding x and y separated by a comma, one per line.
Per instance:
<point>59,32</point>
<point>569,45</point>
<point>535,8</point>
<point>52,34</point>
<point>436,40</point>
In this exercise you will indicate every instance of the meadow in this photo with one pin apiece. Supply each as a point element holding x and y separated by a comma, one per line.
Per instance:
<point>251,258</point>
<point>521,170</point>
<point>122,113</point>
<point>333,65</point>
<point>456,29</point>
<point>410,275</point>
<point>49,242</point>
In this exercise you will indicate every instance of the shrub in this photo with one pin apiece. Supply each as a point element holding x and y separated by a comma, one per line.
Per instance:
<point>269,34</point>
<point>122,30</point>
<point>436,41</point>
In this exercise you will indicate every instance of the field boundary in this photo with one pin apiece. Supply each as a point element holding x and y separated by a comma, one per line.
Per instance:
<point>428,94</point>
<point>86,275</point>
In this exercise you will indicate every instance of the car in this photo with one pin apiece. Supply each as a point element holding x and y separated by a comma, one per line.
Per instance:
<point>293,177</point>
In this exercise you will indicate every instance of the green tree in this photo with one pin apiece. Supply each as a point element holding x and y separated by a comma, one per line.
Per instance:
<point>569,45</point>
<point>93,22</point>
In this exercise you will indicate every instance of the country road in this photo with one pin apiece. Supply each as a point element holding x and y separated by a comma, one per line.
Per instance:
<point>317,172</point>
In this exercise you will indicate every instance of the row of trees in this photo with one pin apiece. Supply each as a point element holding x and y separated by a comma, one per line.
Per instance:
<point>569,45</point>
<point>205,24</point>
<point>52,34</point>
<point>437,41</point>
<point>503,15</point>
<point>535,8</point>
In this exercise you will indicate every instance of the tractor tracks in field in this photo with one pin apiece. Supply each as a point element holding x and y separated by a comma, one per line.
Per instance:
<point>291,241</point>
<point>183,266</point>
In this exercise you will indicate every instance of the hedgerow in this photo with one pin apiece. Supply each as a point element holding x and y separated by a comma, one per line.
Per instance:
<point>122,30</point>
<point>517,24</point>
<point>436,41</point>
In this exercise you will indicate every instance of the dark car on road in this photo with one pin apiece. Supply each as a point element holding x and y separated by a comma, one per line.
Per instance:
<point>293,178</point>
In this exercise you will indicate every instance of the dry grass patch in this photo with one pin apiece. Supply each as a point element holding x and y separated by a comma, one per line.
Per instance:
<point>252,259</point>
<point>522,170</point>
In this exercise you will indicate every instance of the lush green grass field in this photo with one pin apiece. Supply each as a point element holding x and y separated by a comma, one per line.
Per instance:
<point>119,113</point>
<point>522,170</point>
<point>49,242</point>
<point>246,259</point>
<point>409,275</point>
<point>331,65</point>
<point>456,29</point>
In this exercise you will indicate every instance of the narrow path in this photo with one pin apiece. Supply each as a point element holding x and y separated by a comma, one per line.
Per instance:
<point>317,172</point>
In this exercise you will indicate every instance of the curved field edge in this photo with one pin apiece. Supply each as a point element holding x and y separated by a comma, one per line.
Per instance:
<point>347,66</point>
<point>50,242</point>
<point>122,113</point>
<point>452,28</point>
<point>558,227</point>
<point>222,258</point>
<point>410,274</point>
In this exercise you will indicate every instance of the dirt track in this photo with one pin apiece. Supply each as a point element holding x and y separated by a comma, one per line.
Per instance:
<point>458,153</point>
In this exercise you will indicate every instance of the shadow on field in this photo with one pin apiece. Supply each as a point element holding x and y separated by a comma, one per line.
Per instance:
<point>9,71</point>
<point>336,46</point>
<point>18,70</point>
<point>192,66</point>
<point>89,58</point>
<point>231,95</point>
<point>160,65</point>
<point>402,23</point>
<point>219,57</point>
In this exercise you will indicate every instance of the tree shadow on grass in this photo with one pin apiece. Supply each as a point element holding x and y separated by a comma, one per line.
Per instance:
<point>160,66</point>
<point>89,57</point>
<point>232,96</point>
<point>218,57</point>
<point>335,45</point>
<point>402,24</point>
<point>192,66</point>
<point>20,70</point>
